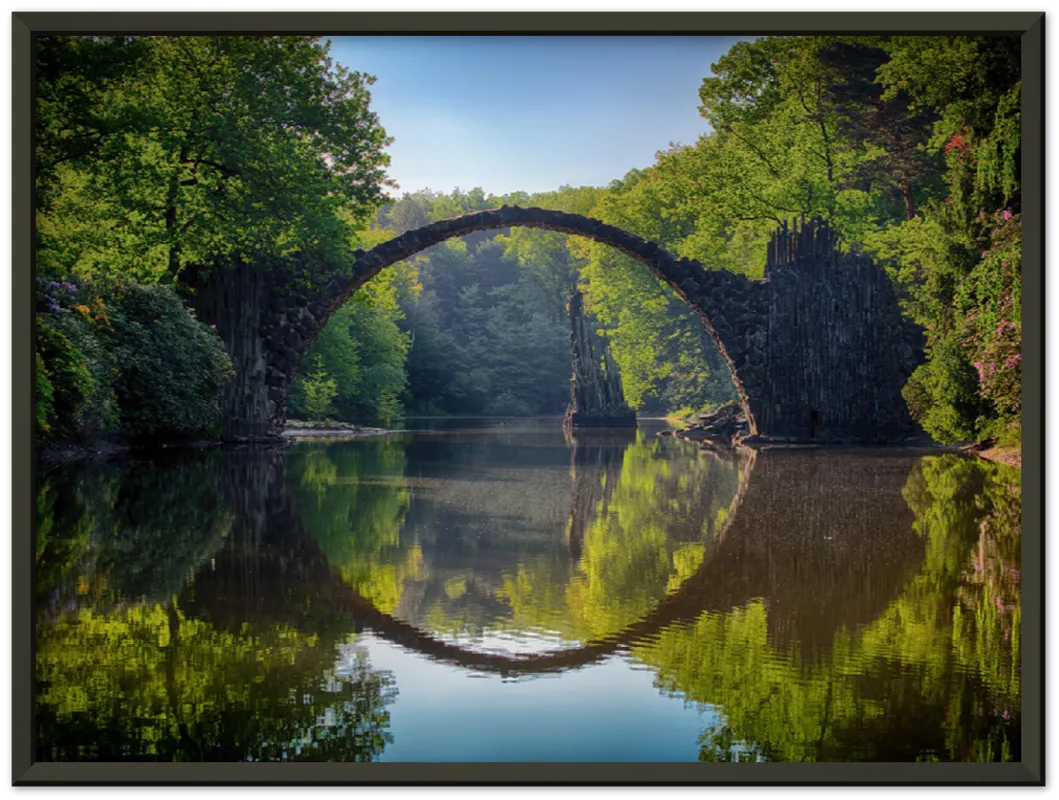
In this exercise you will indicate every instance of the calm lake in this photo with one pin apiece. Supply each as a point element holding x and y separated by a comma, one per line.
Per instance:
<point>494,590</point>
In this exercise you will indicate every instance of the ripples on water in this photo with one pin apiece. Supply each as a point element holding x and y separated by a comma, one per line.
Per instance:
<point>501,592</point>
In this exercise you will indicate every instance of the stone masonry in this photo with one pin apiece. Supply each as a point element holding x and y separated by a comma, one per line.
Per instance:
<point>818,349</point>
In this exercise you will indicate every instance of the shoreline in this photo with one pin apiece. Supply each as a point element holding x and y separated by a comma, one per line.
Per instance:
<point>54,455</point>
<point>309,433</point>
<point>1010,455</point>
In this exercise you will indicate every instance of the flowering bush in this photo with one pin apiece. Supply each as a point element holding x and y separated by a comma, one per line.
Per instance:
<point>119,357</point>
<point>991,302</point>
<point>54,295</point>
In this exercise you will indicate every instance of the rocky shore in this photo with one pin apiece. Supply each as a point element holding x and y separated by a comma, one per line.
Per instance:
<point>298,428</point>
<point>725,427</point>
<point>989,450</point>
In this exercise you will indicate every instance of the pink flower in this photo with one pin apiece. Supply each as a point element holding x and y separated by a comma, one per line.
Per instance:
<point>1007,215</point>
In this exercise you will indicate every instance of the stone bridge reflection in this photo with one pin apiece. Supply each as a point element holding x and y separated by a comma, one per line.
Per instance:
<point>798,536</point>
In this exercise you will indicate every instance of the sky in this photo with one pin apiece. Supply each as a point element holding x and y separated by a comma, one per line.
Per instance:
<point>530,113</point>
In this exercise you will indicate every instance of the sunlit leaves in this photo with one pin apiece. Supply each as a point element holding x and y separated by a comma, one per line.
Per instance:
<point>189,148</point>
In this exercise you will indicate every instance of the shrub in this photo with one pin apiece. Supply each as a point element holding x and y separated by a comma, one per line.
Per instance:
<point>172,368</point>
<point>991,300</point>
<point>63,383</point>
<point>85,330</point>
<point>319,391</point>
<point>44,393</point>
<point>942,394</point>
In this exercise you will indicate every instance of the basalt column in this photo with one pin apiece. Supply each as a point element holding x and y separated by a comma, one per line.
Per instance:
<point>839,350</point>
<point>230,297</point>
<point>596,396</point>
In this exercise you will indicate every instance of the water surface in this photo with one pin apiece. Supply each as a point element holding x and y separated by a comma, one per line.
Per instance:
<point>493,590</point>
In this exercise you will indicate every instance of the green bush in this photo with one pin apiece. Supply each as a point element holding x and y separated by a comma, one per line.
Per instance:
<point>84,326</point>
<point>320,390</point>
<point>991,302</point>
<point>44,403</point>
<point>63,383</point>
<point>172,368</point>
<point>942,393</point>
<point>123,358</point>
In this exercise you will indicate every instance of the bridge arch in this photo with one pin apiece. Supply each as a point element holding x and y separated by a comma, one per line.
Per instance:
<point>818,349</point>
<point>729,305</point>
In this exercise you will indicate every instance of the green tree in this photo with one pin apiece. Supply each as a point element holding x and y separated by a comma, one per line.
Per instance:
<point>320,391</point>
<point>175,142</point>
<point>211,161</point>
<point>959,265</point>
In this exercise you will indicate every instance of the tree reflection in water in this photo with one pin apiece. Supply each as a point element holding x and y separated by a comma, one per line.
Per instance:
<point>131,665</point>
<point>827,606</point>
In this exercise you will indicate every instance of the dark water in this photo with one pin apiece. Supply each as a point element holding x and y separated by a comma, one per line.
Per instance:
<point>493,591</point>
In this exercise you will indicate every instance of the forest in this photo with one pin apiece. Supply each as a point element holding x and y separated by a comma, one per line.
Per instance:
<point>159,160</point>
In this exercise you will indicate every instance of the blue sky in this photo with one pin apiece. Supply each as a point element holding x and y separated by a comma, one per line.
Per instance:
<point>530,113</point>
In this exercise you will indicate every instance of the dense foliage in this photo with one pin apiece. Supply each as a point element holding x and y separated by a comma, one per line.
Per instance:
<point>156,153</point>
<point>159,156</point>
<point>118,357</point>
<point>163,159</point>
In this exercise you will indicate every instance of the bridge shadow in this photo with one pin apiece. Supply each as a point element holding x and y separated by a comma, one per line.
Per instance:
<point>825,542</point>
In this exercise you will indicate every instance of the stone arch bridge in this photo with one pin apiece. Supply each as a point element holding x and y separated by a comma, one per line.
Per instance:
<point>818,349</point>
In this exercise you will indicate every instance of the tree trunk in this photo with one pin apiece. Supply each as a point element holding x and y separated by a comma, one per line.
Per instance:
<point>231,299</point>
<point>906,192</point>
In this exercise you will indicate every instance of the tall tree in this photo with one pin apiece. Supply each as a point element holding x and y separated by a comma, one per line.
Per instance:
<point>219,162</point>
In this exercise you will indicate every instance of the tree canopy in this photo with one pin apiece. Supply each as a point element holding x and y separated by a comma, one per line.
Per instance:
<point>158,152</point>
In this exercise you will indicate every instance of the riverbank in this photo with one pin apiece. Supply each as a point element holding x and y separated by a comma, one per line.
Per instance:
<point>56,454</point>
<point>330,428</point>
<point>1010,455</point>
<point>50,456</point>
<point>726,427</point>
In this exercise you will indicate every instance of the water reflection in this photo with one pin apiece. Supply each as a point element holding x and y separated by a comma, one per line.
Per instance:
<point>927,672</point>
<point>810,606</point>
